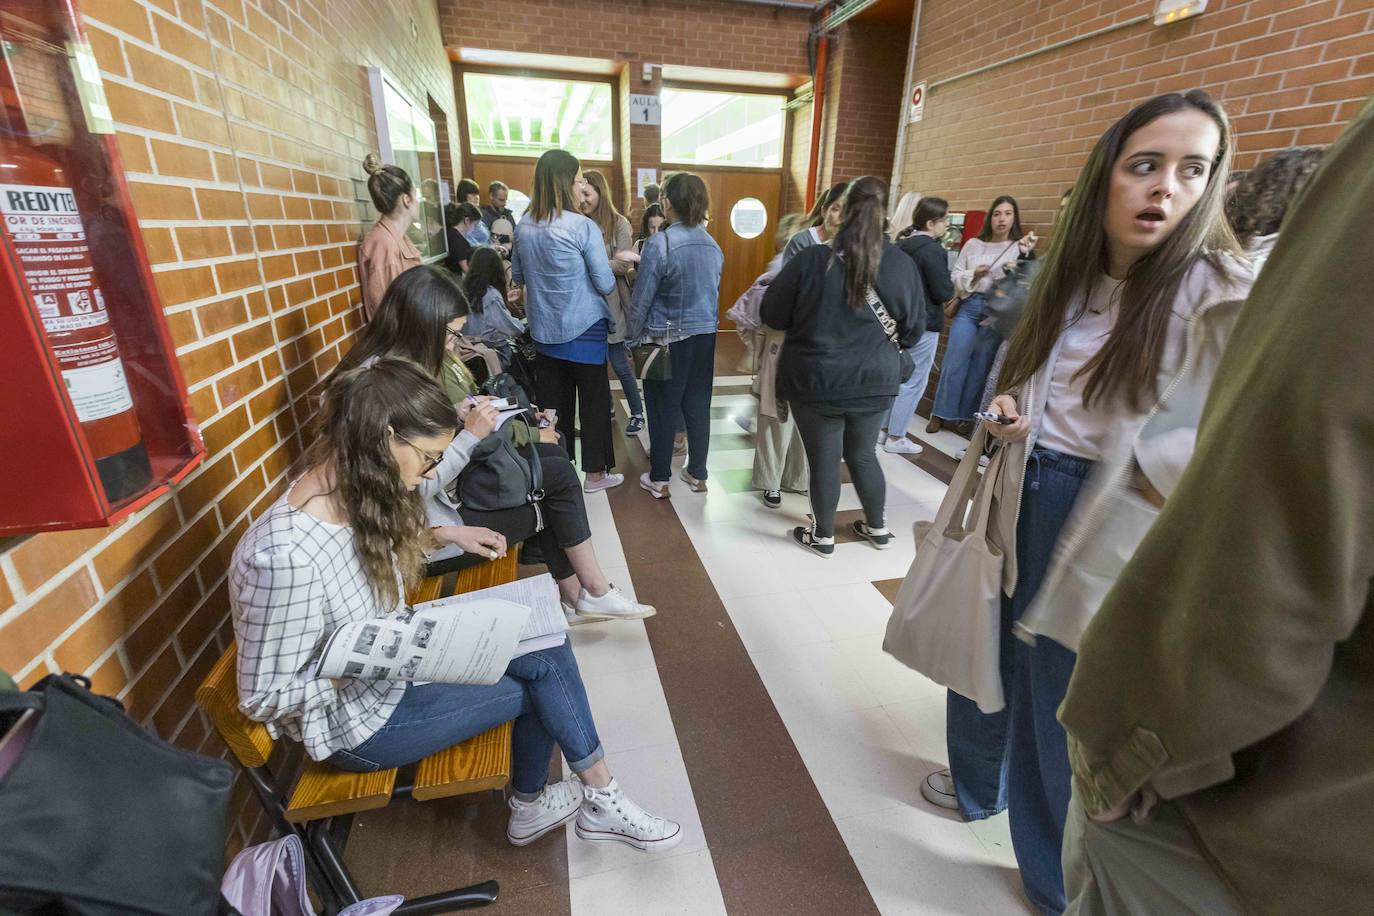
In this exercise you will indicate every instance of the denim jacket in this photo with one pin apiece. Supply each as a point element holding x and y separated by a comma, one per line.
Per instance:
<point>678,283</point>
<point>562,264</point>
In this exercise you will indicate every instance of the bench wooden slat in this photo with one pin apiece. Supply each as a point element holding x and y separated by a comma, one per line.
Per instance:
<point>478,764</point>
<point>323,791</point>
<point>218,695</point>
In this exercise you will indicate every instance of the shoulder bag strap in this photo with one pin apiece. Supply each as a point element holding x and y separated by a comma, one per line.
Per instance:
<point>880,312</point>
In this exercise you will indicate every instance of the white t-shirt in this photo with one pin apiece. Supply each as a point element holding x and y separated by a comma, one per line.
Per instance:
<point>1068,426</point>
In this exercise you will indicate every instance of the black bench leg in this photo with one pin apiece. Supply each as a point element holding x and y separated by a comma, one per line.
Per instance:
<point>264,787</point>
<point>464,898</point>
<point>331,859</point>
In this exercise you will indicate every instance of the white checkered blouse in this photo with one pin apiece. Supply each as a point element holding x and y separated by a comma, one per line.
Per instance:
<point>293,580</point>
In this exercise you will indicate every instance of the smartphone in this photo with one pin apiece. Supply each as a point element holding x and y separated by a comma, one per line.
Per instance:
<point>997,418</point>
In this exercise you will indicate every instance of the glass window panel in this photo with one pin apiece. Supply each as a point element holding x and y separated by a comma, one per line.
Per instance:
<point>414,147</point>
<point>722,128</point>
<point>524,116</point>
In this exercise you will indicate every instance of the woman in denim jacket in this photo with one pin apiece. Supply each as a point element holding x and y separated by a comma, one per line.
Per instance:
<point>677,294</point>
<point>560,259</point>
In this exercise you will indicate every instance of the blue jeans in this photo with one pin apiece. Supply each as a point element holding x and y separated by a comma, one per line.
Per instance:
<point>909,395</point>
<point>1020,754</point>
<point>541,691</point>
<point>625,371</point>
<point>969,353</point>
<point>685,398</point>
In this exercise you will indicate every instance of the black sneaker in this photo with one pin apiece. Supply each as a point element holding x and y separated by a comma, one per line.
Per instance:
<point>772,498</point>
<point>878,538</point>
<point>824,547</point>
<point>635,425</point>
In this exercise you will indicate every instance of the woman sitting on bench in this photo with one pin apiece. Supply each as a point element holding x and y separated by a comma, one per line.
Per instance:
<point>341,545</point>
<point>419,319</point>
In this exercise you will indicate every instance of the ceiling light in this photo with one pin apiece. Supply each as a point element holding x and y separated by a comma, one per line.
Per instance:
<point>1167,11</point>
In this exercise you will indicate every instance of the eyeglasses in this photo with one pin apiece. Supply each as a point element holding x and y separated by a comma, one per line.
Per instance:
<point>431,461</point>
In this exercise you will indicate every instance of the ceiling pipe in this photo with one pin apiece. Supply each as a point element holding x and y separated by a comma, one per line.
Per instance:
<point>780,4</point>
<point>902,125</point>
<point>817,118</point>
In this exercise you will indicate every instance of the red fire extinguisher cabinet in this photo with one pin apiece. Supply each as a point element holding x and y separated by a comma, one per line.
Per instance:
<point>95,419</point>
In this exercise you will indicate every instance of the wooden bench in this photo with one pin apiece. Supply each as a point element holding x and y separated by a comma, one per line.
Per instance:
<point>320,805</point>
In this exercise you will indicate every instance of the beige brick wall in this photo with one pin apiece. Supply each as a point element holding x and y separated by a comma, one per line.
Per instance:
<point>1288,72</point>
<point>242,125</point>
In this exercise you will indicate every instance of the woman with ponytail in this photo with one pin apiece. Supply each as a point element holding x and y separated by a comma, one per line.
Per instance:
<point>839,368</point>
<point>342,545</point>
<point>387,251</point>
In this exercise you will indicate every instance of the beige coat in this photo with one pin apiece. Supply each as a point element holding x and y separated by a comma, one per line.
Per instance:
<point>383,255</point>
<point>619,299</point>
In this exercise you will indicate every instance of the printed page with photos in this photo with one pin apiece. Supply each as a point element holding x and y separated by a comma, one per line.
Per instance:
<point>546,627</point>
<point>459,644</point>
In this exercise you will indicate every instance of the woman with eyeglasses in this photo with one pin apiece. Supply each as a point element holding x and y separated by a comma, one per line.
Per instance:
<point>342,545</point>
<point>420,317</point>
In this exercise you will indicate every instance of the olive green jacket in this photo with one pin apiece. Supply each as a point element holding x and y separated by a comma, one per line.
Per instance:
<point>1232,666</point>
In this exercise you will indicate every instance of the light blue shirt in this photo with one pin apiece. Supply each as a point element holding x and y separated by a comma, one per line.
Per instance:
<point>494,324</point>
<point>479,234</point>
<point>562,264</point>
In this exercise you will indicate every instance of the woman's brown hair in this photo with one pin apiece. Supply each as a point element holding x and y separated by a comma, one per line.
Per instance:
<point>687,193</point>
<point>605,214</point>
<point>361,410</point>
<point>817,215</point>
<point>1128,363</point>
<point>386,184</point>
<point>411,322</point>
<point>1259,202</point>
<point>861,238</point>
<point>554,175</point>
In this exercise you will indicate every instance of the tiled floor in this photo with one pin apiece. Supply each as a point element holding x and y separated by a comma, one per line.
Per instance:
<point>757,708</point>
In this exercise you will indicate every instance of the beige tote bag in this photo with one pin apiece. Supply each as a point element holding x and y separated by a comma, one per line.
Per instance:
<point>946,620</point>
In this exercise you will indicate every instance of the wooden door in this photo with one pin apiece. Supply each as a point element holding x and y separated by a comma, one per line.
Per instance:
<point>745,258</point>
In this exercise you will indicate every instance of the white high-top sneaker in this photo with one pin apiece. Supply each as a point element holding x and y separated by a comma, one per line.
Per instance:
<point>609,815</point>
<point>555,806</point>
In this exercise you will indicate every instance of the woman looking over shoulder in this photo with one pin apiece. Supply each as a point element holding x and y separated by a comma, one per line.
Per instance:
<point>386,251</point>
<point>1105,377</point>
<point>341,545</point>
<point>490,319</point>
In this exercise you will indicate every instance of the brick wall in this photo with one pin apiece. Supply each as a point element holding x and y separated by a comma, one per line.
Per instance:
<point>799,162</point>
<point>242,126</point>
<point>698,33</point>
<point>1289,73</point>
<point>862,103</point>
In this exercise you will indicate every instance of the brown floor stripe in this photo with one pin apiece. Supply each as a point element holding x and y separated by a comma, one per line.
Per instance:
<point>772,840</point>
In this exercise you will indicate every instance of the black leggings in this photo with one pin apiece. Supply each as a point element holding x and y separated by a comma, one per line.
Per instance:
<point>829,431</point>
<point>564,385</point>
<point>565,519</point>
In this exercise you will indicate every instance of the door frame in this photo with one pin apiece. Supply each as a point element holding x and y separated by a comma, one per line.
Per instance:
<point>460,97</point>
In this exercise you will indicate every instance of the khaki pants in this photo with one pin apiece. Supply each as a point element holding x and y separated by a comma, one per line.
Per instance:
<point>1152,869</point>
<point>779,459</point>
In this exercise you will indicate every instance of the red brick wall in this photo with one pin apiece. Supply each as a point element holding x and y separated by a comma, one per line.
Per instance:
<point>698,33</point>
<point>1289,73</point>
<point>861,105</point>
<point>242,126</point>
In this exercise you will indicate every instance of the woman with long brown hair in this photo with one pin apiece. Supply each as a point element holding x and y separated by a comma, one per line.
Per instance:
<point>560,259</point>
<point>620,254</point>
<point>1105,377</point>
<point>341,545</point>
<point>840,367</point>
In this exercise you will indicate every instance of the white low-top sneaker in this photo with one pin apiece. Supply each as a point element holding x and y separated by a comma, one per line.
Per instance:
<point>614,605</point>
<point>605,483</point>
<point>902,446</point>
<point>609,815</point>
<point>938,789</point>
<point>555,806</point>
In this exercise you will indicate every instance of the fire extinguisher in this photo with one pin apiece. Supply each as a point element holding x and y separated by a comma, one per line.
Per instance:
<point>45,233</point>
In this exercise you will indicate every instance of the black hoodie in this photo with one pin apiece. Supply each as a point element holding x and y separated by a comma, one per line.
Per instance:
<point>932,262</point>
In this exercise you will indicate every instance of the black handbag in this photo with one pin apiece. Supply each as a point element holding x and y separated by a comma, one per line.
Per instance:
<point>501,475</point>
<point>98,817</point>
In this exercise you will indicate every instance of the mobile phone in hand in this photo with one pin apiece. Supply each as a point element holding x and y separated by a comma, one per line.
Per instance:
<point>989,417</point>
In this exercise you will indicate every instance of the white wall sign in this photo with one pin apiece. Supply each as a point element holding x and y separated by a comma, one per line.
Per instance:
<point>916,103</point>
<point>644,109</point>
<point>646,178</point>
